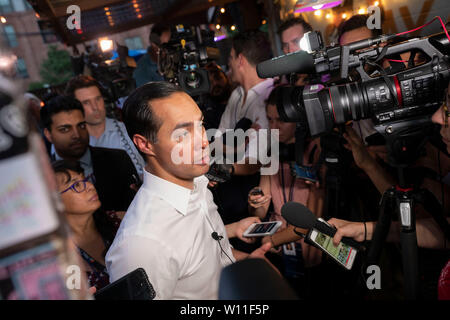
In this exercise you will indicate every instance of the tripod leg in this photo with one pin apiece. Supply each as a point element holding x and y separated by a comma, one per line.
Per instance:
<point>408,241</point>
<point>381,228</point>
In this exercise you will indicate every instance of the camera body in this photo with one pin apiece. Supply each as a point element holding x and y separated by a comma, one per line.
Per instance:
<point>115,76</point>
<point>385,98</point>
<point>400,102</point>
<point>181,60</point>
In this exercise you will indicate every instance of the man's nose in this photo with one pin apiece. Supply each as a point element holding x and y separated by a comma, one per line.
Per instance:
<point>95,105</point>
<point>76,134</point>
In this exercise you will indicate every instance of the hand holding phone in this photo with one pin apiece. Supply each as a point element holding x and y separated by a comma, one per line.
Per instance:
<point>256,197</point>
<point>342,253</point>
<point>262,229</point>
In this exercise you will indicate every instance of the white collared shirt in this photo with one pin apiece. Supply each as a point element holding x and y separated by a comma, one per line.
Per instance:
<point>116,136</point>
<point>254,109</point>
<point>167,231</point>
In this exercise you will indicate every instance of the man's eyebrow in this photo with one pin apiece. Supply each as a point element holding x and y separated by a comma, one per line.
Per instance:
<point>186,124</point>
<point>64,126</point>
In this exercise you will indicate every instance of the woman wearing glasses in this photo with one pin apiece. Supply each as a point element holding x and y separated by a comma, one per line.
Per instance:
<point>93,229</point>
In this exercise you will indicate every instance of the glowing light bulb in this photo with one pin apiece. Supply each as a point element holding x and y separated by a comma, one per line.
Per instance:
<point>217,26</point>
<point>361,11</point>
<point>222,10</point>
<point>233,27</point>
<point>106,44</point>
<point>344,16</point>
<point>377,3</point>
<point>3,19</point>
<point>328,16</point>
<point>318,13</point>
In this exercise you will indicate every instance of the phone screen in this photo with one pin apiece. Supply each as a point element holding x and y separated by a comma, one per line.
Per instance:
<point>263,227</point>
<point>343,253</point>
<point>304,172</point>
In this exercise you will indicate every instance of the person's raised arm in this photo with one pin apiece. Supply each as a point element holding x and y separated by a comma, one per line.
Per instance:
<point>380,178</point>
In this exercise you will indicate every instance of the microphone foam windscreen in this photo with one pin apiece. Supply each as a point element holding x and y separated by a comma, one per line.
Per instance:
<point>299,62</point>
<point>298,215</point>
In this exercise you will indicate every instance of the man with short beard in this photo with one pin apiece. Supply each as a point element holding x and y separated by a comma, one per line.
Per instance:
<point>65,127</point>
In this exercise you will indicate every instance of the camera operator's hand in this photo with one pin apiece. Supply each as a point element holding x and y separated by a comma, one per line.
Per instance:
<point>360,154</point>
<point>379,152</point>
<point>257,200</point>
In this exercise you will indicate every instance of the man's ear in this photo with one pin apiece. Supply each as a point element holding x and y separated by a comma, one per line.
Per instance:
<point>48,135</point>
<point>143,144</point>
<point>242,60</point>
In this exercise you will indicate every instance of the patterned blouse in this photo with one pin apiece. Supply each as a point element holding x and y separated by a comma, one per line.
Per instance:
<point>98,275</point>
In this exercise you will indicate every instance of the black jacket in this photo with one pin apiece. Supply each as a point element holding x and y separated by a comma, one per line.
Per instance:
<point>114,173</point>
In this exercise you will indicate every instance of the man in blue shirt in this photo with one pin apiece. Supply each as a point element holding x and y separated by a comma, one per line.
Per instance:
<point>103,131</point>
<point>147,68</point>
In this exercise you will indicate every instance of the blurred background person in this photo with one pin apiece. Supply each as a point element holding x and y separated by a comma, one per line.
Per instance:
<point>147,66</point>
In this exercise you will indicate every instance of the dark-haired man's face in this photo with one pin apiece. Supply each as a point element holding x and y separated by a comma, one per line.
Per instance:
<point>68,134</point>
<point>290,38</point>
<point>181,152</point>
<point>93,104</point>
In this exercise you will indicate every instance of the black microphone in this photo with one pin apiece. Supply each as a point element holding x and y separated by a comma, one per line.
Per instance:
<point>300,216</point>
<point>216,236</point>
<point>299,62</point>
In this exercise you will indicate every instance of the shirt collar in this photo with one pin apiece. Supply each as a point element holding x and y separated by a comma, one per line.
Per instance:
<point>176,195</point>
<point>109,125</point>
<point>261,87</point>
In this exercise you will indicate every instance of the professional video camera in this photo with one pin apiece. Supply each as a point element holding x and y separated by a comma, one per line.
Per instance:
<point>182,58</point>
<point>400,102</point>
<point>115,76</point>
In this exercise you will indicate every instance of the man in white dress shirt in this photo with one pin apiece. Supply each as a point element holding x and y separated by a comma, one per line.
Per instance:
<point>248,99</point>
<point>172,228</point>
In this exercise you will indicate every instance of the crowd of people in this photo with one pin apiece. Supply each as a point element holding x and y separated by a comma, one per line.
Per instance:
<point>129,205</point>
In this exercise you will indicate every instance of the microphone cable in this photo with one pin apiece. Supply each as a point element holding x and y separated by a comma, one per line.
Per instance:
<point>216,237</point>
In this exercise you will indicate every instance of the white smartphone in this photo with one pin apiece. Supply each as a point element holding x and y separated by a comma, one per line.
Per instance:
<point>262,229</point>
<point>343,253</point>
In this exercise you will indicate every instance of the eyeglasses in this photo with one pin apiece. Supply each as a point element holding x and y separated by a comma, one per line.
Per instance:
<point>80,185</point>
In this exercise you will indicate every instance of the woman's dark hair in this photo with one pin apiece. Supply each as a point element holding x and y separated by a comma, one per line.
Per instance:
<point>137,113</point>
<point>273,96</point>
<point>104,226</point>
<point>64,166</point>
